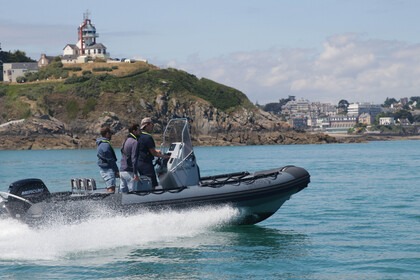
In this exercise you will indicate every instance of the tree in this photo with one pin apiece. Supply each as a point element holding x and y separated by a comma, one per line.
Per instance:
<point>343,105</point>
<point>272,107</point>
<point>275,107</point>
<point>17,56</point>
<point>415,99</point>
<point>403,114</point>
<point>389,101</point>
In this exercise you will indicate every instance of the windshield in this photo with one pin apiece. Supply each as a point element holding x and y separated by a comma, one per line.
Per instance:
<point>177,131</point>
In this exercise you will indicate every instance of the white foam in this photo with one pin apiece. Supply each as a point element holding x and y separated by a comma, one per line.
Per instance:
<point>105,232</point>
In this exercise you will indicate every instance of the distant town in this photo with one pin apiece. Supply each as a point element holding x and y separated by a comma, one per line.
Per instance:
<point>401,117</point>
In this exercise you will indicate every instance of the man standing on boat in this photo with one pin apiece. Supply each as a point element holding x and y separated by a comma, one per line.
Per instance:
<point>146,151</point>
<point>107,160</point>
<point>128,159</point>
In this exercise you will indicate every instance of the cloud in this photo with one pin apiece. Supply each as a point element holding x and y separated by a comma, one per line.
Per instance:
<point>348,66</point>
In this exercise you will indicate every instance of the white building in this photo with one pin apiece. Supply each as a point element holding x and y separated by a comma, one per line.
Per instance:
<point>86,46</point>
<point>296,107</point>
<point>13,70</point>
<point>386,121</point>
<point>356,109</point>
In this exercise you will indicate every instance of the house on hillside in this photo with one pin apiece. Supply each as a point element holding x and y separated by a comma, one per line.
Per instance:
<point>386,121</point>
<point>13,70</point>
<point>365,118</point>
<point>45,60</point>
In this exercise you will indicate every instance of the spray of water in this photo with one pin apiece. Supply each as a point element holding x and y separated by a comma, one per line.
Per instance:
<point>105,231</point>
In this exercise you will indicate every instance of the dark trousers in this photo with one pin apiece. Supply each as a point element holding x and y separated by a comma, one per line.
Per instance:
<point>147,169</point>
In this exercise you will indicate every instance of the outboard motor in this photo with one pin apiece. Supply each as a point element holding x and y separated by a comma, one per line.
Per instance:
<point>23,194</point>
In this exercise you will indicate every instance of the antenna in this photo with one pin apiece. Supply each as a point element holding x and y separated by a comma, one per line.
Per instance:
<point>86,15</point>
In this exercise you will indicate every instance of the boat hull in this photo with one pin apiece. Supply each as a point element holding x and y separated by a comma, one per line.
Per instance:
<point>256,197</point>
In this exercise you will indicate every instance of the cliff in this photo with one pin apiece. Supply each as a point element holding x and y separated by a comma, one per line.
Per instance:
<point>67,113</point>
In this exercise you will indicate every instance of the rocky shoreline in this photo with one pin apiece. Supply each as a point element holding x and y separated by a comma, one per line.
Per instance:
<point>47,133</point>
<point>55,141</point>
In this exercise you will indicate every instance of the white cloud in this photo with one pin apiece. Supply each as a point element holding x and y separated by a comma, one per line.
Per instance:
<point>347,67</point>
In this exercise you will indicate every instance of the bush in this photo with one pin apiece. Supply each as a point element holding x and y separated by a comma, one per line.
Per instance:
<point>74,69</point>
<point>102,69</point>
<point>72,108</point>
<point>89,106</point>
<point>20,79</point>
<point>3,90</point>
<point>76,79</point>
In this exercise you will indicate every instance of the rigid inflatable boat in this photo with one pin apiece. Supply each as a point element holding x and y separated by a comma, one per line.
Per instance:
<point>256,195</point>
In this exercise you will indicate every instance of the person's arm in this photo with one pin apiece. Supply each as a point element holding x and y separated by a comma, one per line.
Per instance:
<point>156,153</point>
<point>112,159</point>
<point>134,156</point>
<point>135,163</point>
<point>153,151</point>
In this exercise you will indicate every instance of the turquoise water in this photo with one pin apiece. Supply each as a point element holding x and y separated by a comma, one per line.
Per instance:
<point>358,219</point>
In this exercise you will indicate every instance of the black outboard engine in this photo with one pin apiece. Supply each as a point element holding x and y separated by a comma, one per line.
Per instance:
<point>24,193</point>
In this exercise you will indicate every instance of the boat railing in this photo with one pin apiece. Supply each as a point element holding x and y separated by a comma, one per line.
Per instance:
<point>82,185</point>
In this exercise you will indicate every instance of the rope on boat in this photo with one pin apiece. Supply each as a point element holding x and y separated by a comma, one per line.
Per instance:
<point>231,179</point>
<point>237,180</point>
<point>162,191</point>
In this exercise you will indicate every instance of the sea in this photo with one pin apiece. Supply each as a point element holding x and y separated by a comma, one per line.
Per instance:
<point>359,218</point>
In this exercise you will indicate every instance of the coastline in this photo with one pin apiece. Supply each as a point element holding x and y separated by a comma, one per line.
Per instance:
<point>374,137</point>
<point>65,141</point>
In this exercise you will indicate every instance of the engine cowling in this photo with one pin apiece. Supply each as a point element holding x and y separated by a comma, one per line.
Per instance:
<point>24,193</point>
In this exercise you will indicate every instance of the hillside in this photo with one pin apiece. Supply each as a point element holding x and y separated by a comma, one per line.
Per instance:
<point>64,107</point>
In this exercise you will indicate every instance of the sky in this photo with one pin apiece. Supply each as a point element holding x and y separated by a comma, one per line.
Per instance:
<point>318,50</point>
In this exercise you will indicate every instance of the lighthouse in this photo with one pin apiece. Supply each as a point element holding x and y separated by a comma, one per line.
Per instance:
<point>86,48</point>
<point>87,34</point>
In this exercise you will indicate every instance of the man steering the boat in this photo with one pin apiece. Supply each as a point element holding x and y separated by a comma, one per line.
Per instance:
<point>146,151</point>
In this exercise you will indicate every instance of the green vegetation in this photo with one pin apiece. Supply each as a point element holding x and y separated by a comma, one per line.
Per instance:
<point>16,56</point>
<point>89,106</point>
<point>54,70</point>
<point>176,82</point>
<point>3,90</point>
<point>102,69</point>
<point>73,69</point>
<point>16,106</point>
<point>72,109</point>
<point>275,107</point>
<point>86,92</point>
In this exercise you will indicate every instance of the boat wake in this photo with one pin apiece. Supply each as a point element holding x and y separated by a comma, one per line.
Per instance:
<point>106,231</point>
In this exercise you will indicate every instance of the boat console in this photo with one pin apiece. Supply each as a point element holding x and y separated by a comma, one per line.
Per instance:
<point>181,169</point>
